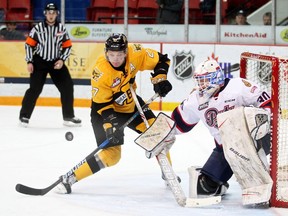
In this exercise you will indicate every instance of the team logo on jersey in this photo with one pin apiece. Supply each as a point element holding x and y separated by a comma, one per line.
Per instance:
<point>253,89</point>
<point>116,82</point>
<point>121,99</point>
<point>137,47</point>
<point>132,67</point>
<point>203,106</point>
<point>246,83</point>
<point>183,66</point>
<point>58,34</point>
<point>96,75</point>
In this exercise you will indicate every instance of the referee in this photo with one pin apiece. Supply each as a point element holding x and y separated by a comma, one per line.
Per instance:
<point>47,47</point>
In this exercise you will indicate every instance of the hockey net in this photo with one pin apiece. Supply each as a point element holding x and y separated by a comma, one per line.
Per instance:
<point>271,73</point>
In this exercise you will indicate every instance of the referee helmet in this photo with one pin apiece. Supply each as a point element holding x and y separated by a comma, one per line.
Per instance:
<point>51,7</point>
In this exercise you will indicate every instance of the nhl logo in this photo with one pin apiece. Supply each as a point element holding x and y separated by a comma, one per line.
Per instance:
<point>264,72</point>
<point>183,65</point>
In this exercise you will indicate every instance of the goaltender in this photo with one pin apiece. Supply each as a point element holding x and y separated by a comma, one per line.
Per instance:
<point>237,114</point>
<point>112,101</point>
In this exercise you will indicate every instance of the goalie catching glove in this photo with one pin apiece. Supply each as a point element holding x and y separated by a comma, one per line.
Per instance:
<point>113,133</point>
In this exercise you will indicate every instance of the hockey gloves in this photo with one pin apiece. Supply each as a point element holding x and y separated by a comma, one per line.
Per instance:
<point>113,134</point>
<point>161,85</point>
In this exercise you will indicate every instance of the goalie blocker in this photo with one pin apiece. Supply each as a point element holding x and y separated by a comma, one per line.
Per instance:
<point>158,137</point>
<point>242,130</point>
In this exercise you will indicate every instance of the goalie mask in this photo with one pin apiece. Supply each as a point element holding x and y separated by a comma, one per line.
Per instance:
<point>209,78</point>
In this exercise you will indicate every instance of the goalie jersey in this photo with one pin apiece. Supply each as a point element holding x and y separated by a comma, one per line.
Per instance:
<point>236,92</point>
<point>110,87</point>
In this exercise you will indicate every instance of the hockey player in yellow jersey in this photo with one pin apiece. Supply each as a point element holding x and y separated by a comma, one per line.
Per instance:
<point>113,104</point>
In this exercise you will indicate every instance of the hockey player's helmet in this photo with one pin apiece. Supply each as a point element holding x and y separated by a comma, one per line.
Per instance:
<point>209,77</point>
<point>51,7</point>
<point>116,42</point>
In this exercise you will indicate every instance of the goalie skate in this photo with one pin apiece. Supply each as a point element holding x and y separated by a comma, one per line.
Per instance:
<point>196,185</point>
<point>194,200</point>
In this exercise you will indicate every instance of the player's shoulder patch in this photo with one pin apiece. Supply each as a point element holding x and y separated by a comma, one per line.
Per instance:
<point>136,47</point>
<point>96,74</point>
<point>246,83</point>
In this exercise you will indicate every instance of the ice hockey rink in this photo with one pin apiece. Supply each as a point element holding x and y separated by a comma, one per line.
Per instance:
<point>36,156</point>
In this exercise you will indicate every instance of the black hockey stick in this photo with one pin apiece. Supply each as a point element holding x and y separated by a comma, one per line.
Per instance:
<point>42,191</point>
<point>34,191</point>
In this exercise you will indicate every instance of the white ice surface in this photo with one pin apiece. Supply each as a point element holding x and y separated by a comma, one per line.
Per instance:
<point>36,156</point>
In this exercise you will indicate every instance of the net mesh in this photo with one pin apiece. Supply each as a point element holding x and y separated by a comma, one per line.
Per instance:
<point>271,74</point>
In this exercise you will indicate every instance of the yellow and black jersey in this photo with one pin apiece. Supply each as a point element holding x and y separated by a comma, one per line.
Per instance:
<point>110,87</point>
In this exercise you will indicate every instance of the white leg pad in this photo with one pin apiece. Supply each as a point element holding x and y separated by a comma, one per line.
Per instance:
<point>241,154</point>
<point>256,194</point>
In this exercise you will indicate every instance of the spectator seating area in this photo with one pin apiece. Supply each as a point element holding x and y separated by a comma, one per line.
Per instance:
<point>32,10</point>
<point>112,11</point>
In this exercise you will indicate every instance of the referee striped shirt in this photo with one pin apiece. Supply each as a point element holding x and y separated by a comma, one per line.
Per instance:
<point>49,42</point>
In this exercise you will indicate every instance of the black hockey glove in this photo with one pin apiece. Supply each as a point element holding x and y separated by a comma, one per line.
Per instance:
<point>161,85</point>
<point>162,88</point>
<point>113,133</point>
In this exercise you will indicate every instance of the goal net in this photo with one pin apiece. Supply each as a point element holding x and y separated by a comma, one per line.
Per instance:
<point>271,73</point>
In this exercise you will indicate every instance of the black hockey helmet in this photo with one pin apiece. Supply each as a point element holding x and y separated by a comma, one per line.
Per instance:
<point>51,7</point>
<point>116,42</point>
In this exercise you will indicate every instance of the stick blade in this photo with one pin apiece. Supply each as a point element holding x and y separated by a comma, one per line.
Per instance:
<point>28,190</point>
<point>200,202</point>
<point>35,191</point>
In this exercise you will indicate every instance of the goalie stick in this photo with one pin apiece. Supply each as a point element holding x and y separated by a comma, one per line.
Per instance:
<point>170,175</point>
<point>42,191</point>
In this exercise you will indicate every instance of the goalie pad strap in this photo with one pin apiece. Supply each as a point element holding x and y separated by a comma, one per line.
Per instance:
<point>241,154</point>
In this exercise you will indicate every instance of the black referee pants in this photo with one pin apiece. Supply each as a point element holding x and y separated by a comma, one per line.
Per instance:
<point>62,80</point>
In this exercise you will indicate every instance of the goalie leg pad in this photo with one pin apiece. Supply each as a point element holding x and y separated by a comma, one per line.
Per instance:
<point>265,143</point>
<point>241,154</point>
<point>258,122</point>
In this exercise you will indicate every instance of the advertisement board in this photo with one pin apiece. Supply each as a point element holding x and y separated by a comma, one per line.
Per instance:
<point>184,59</point>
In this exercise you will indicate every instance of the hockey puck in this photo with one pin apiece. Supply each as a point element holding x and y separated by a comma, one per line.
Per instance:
<point>69,136</point>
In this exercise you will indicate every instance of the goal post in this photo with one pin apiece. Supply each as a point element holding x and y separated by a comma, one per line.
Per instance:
<point>271,74</point>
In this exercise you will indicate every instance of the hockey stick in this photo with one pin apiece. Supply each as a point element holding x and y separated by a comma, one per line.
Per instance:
<point>163,161</point>
<point>40,192</point>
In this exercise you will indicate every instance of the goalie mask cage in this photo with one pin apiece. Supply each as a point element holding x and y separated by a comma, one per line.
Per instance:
<point>271,73</point>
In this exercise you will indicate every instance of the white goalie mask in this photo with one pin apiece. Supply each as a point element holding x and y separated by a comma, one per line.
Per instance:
<point>209,78</point>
